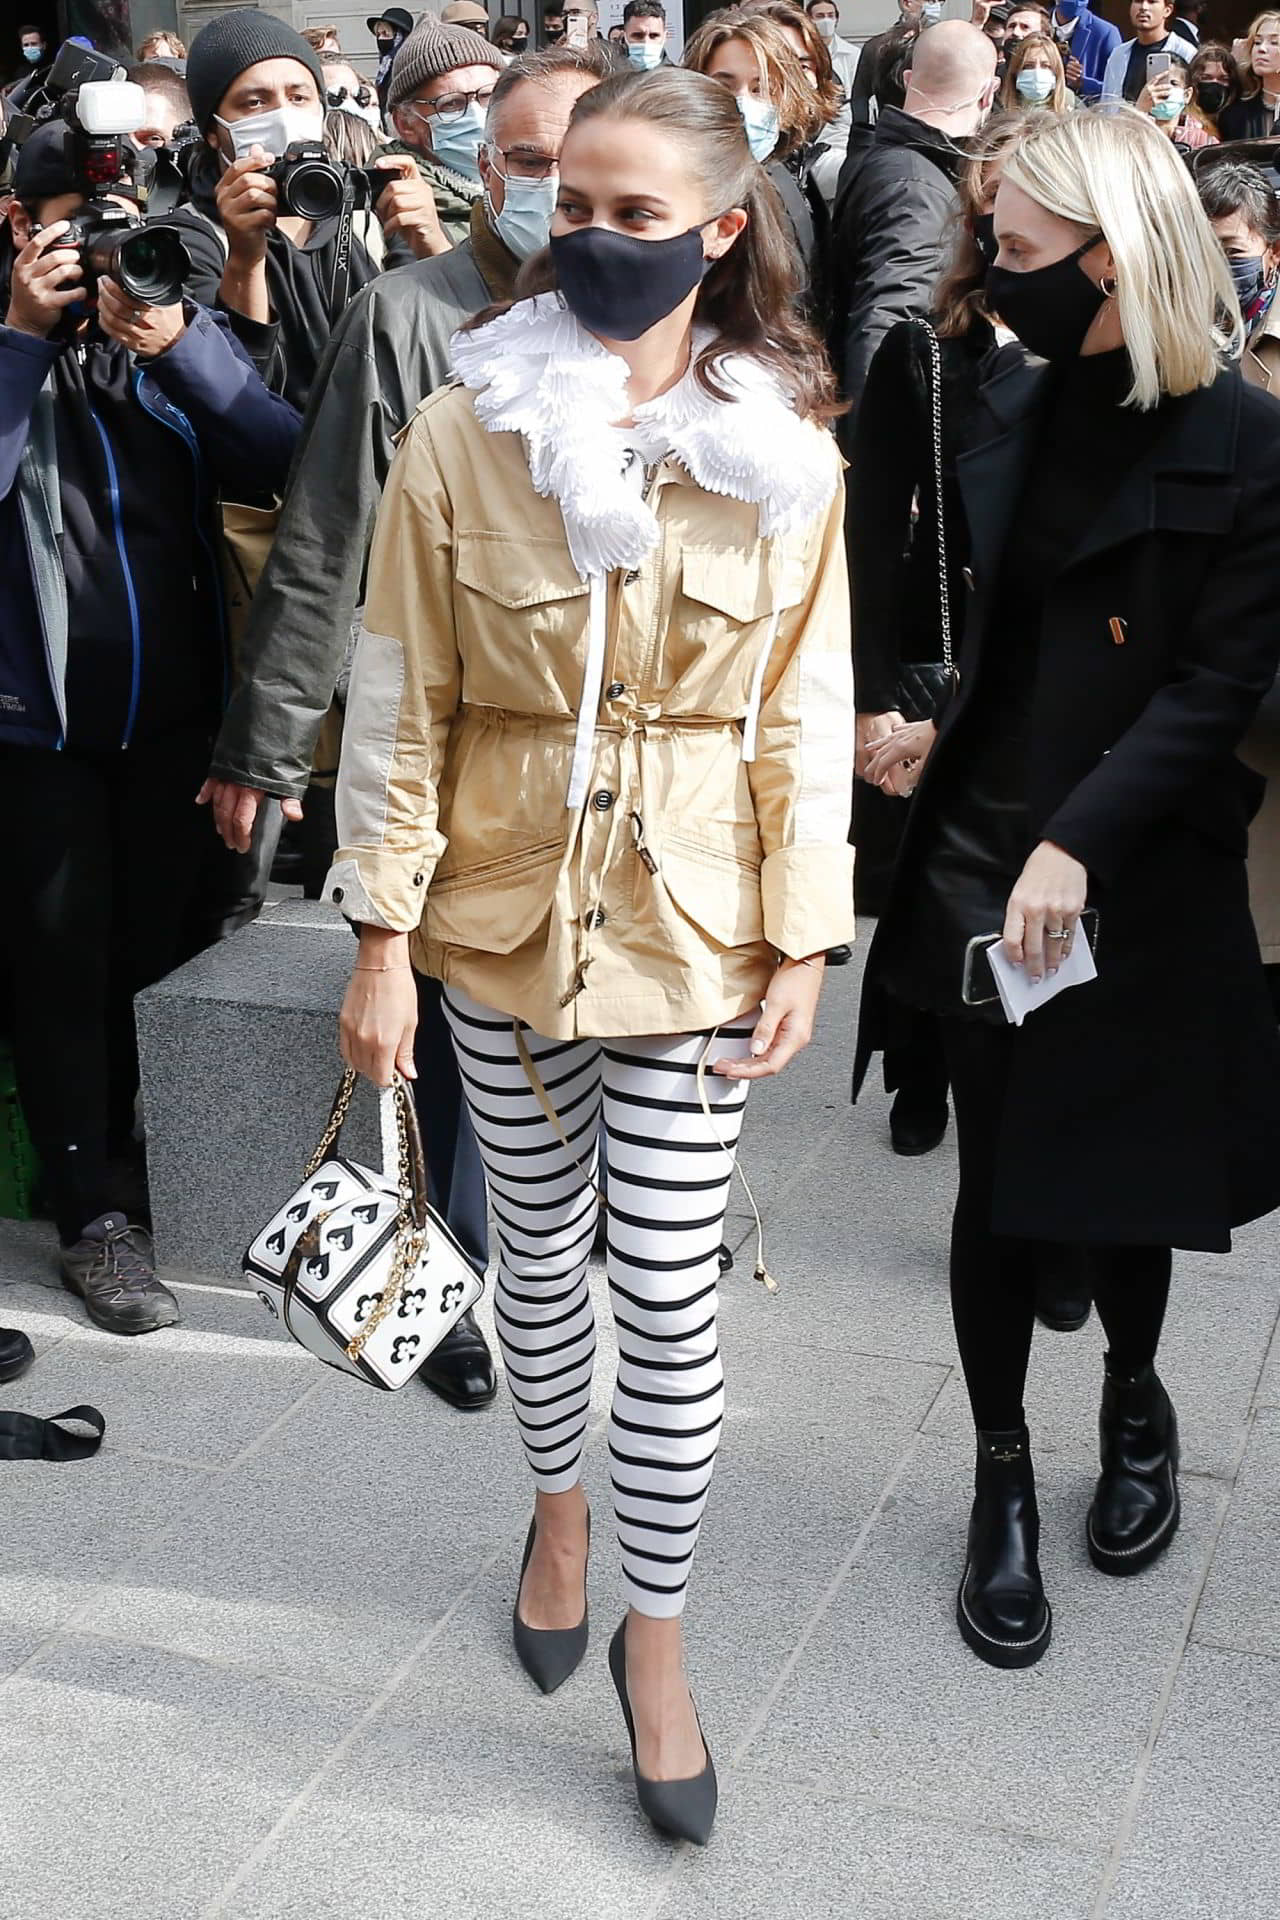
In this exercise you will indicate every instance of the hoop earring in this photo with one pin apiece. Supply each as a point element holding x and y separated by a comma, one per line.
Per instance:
<point>1108,288</point>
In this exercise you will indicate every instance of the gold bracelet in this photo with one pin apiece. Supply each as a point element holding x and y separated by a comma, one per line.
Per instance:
<point>406,968</point>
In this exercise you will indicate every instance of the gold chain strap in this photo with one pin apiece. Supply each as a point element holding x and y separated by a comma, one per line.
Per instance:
<point>410,1240</point>
<point>337,1120</point>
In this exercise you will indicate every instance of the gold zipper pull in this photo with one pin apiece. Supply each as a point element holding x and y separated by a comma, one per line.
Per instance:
<point>637,835</point>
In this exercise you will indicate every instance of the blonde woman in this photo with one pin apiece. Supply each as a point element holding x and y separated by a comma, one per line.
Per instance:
<point>1034,76</point>
<point>1254,115</point>
<point>1123,503</point>
<point>596,779</point>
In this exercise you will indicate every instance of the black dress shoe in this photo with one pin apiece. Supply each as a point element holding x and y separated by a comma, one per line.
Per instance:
<point>461,1369</point>
<point>1136,1509</point>
<point>16,1354</point>
<point>1064,1288</point>
<point>549,1654</point>
<point>839,956</point>
<point>1001,1610</point>
<point>916,1126</point>
<point>686,1809</point>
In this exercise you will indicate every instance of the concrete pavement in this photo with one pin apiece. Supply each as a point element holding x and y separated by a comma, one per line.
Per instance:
<point>255,1657</point>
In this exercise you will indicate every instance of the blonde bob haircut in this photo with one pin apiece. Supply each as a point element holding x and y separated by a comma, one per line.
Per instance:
<point>1117,174</point>
<point>1252,83</point>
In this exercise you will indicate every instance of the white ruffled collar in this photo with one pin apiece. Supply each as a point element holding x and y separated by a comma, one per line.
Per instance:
<point>535,371</point>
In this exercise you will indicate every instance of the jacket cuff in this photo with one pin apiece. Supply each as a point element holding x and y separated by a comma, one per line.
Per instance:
<point>257,337</point>
<point>34,345</point>
<point>807,898</point>
<point>378,889</point>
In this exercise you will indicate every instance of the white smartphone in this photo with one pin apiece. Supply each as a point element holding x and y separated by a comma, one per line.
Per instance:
<point>1158,63</point>
<point>576,30</point>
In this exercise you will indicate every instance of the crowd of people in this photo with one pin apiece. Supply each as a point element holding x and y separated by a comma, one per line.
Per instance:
<point>572,478</point>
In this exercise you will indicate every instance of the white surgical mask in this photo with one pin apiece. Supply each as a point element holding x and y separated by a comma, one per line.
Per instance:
<point>826,26</point>
<point>524,224</point>
<point>457,143</point>
<point>645,54</point>
<point>274,132</point>
<point>760,118</point>
<point>930,13</point>
<point>1034,83</point>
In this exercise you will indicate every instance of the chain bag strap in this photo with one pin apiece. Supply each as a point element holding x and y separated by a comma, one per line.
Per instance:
<point>921,683</point>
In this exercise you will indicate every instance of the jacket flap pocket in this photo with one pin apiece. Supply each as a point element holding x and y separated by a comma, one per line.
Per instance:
<point>523,572</point>
<point>1182,506</point>
<point>718,892</point>
<point>494,906</point>
<point>738,584</point>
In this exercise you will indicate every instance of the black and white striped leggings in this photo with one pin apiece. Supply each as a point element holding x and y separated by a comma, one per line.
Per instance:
<point>668,1186</point>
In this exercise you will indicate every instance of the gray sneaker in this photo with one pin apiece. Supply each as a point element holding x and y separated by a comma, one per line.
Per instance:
<point>112,1267</point>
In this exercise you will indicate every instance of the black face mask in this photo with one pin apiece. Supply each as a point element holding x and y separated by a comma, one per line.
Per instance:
<point>1212,95</point>
<point>1051,308</point>
<point>984,237</point>
<point>618,286</point>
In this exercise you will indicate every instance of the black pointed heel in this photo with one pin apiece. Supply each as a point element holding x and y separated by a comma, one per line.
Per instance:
<point>685,1809</point>
<point>549,1654</point>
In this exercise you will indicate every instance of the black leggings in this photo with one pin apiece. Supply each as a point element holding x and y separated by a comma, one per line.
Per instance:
<point>993,1277</point>
<point>104,852</point>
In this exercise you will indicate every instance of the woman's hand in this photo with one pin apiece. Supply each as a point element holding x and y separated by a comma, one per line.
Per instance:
<point>46,280</point>
<point>870,731</point>
<point>1049,898</point>
<point>379,1015</point>
<point>146,330</point>
<point>895,766</point>
<point>785,1026</point>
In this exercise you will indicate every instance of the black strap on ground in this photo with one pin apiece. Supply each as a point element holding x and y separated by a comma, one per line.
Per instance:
<point>25,1436</point>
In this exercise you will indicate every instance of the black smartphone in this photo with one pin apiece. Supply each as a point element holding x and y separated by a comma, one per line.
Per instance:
<point>978,986</point>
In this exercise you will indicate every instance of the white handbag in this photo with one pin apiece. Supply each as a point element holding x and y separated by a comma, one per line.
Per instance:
<point>361,1270</point>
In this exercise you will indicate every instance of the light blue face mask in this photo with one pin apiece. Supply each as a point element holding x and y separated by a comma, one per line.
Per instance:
<point>34,54</point>
<point>457,143</point>
<point>1035,83</point>
<point>645,54</point>
<point>760,118</point>
<point>1171,106</point>
<point>524,224</point>
<point>930,13</point>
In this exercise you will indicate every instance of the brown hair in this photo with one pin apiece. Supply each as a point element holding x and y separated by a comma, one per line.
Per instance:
<point>800,115</point>
<point>1214,54</point>
<point>1020,53</point>
<point>829,91</point>
<point>958,301</point>
<point>751,298</point>
<point>147,48</point>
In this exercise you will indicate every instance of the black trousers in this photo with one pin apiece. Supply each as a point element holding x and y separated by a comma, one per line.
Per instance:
<point>993,1277</point>
<point>105,853</point>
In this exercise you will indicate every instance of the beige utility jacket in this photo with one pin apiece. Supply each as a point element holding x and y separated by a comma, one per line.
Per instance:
<point>659,900</point>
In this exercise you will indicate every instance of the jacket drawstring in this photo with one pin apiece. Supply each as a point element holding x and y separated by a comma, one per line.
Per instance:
<point>592,684</point>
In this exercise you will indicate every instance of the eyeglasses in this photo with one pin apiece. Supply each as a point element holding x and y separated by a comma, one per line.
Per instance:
<point>525,166</point>
<point>452,106</point>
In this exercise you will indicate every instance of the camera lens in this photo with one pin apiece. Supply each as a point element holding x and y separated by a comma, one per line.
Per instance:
<point>311,190</point>
<point>150,264</point>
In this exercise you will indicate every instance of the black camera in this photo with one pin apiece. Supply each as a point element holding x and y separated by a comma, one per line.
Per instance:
<point>150,263</point>
<point>311,187</point>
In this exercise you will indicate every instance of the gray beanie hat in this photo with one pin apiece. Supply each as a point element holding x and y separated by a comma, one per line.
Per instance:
<point>229,45</point>
<point>432,49</point>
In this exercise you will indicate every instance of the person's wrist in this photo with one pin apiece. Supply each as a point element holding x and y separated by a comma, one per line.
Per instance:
<point>28,324</point>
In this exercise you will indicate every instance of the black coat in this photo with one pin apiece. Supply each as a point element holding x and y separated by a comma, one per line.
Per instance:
<point>1143,1108</point>
<point>888,240</point>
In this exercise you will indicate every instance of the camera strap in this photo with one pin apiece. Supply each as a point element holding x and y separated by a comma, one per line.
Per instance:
<point>340,285</point>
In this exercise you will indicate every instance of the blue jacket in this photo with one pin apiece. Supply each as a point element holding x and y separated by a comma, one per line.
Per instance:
<point>1092,44</point>
<point>110,475</point>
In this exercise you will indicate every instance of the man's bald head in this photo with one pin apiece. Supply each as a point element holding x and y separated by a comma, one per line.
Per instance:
<point>952,76</point>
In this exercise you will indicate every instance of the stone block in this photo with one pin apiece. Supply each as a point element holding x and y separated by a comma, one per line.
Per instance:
<point>239,1068</point>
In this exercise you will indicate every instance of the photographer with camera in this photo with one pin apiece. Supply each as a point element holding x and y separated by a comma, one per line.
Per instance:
<point>279,238</point>
<point>124,409</point>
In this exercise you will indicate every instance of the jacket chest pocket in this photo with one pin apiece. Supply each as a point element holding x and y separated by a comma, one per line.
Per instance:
<point>521,614</point>
<point>717,622</point>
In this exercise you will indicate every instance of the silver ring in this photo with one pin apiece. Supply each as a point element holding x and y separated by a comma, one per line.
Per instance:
<point>137,313</point>
<point>1057,933</point>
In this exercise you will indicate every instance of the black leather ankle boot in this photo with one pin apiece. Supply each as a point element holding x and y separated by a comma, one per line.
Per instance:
<point>1135,1509</point>
<point>1001,1609</point>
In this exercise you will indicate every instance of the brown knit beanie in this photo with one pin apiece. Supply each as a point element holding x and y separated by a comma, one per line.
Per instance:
<point>432,49</point>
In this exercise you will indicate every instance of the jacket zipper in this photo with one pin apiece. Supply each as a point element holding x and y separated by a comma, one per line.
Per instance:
<point>113,489</point>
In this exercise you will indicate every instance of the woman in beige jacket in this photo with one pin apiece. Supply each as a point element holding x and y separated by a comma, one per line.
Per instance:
<point>596,779</point>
